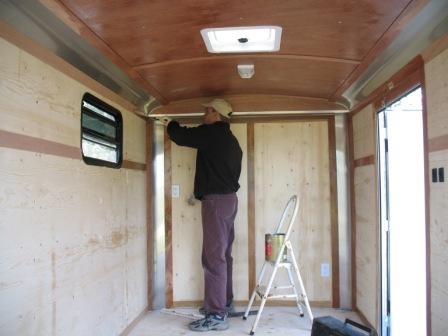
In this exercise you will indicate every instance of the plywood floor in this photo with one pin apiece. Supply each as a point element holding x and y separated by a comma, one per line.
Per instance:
<point>274,321</point>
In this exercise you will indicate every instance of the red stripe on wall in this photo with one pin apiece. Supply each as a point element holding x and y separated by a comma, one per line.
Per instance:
<point>438,143</point>
<point>37,145</point>
<point>365,161</point>
<point>32,144</point>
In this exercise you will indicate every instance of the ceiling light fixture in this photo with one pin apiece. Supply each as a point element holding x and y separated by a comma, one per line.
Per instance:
<point>246,70</point>
<point>242,39</point>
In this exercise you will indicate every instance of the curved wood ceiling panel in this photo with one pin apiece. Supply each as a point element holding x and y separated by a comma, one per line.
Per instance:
<point>158,43</point>
<point>304,78</point>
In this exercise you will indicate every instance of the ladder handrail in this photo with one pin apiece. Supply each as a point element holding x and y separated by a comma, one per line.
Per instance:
<point>293,201</point>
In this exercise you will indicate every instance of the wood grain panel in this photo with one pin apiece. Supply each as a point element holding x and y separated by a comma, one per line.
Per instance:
<point>436,95</point>
<point>366,262</point>
<point>437,132</point>
<point>293,158</point>
<point>335,283</point>
<point>186,228</point>
<point>180,25</point>
<point>251,206</point>
<point>439,247</point>
<point>73,237</point>
<point>351,169</point>
<point>364,133</point>
<point>409,12</point>
<point>214,77</point>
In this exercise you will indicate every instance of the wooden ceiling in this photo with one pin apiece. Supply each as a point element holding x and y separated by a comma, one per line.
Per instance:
<point>325,46</point>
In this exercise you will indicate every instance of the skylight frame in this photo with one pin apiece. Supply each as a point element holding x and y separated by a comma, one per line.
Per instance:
<point>228,39</point>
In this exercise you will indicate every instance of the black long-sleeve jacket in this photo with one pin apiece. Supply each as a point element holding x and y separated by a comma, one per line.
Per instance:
<point>218,159</point>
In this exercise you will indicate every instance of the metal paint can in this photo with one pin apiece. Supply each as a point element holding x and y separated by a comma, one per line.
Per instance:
<point>272,246</point>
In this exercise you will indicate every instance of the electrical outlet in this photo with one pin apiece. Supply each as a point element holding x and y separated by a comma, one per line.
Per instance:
<point>324,270</point>
<point>175,191</point>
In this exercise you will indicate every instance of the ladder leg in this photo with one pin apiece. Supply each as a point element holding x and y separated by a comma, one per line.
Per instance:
<point>291,280</point>
<point>249,305</point>
<point>254,292</point>
<point>257,318</point>
<point>302,288</point>
<point>264,297</point>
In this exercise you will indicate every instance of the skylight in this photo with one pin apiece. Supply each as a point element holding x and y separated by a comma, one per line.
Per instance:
<point>242,39</point>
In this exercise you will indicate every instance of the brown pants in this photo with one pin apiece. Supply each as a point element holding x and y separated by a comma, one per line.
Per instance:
<point>218,215</point>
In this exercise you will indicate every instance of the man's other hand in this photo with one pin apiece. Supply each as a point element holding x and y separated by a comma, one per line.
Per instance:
<point>163,120</point>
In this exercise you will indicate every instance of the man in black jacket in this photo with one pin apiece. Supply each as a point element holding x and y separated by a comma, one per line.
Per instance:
<point>218,168</point>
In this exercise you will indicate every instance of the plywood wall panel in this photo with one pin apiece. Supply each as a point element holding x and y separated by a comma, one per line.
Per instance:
<point>187,227</point>
<point>366,263</point>
<point>437,98</point>
<point>364,133</point>
<point>70,262</point>
<point>72,236</point>
<point>439,247</point>
<point>292,158</point>
<point>437,104</point>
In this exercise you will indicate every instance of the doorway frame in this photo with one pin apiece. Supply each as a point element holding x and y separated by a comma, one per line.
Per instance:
<point>386,240</point>
<point>409,77</point>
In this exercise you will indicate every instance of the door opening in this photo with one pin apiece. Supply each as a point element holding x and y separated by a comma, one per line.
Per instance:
<point>402,207</point>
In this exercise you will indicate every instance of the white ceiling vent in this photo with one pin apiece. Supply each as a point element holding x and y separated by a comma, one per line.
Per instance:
<point>242,39</point>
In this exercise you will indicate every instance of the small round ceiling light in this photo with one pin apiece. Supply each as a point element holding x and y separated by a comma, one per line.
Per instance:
<point>246,71</point>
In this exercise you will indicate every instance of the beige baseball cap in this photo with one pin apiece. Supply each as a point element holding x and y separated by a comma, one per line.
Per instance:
<point>222,106</point>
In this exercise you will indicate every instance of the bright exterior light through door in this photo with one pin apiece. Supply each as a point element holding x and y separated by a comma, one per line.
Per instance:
<point>403,226</point>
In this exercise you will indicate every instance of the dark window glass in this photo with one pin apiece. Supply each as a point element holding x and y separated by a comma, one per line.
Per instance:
<point>101,133</point>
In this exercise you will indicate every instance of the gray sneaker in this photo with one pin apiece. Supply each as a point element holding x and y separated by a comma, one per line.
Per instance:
<point>210,322</point>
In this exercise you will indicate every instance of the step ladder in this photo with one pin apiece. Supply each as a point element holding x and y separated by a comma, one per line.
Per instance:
<point>269,291</point>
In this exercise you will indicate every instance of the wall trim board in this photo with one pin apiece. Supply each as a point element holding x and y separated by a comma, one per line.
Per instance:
<point>336,295</point>
<point>252,276</point>
<point>438,143</point>
<point>134,322</point>
<point>133,165</point>
<point>351,169</point>
<point>427,202</point>
<point>435,49</point>
<point>33,144</point>
<point>37,145</point>
<point>364,161</point>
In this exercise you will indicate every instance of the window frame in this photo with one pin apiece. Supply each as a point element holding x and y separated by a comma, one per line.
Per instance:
<point>116,121</point>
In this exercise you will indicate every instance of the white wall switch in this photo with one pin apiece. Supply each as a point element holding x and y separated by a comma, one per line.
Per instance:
<point>175,191</point>
<point>324,270</point>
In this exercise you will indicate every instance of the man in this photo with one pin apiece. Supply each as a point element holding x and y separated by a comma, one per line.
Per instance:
<point>218,168</point>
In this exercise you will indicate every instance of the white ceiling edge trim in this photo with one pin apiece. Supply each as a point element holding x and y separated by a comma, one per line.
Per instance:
<point>253,114</point>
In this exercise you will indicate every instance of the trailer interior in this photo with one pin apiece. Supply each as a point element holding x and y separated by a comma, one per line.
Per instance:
<point>342,103</point>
